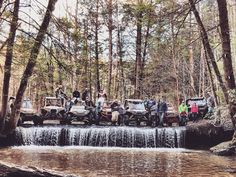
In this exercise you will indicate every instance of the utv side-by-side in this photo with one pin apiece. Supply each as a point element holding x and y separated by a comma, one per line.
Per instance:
<point>135,112</point>
<point>80,112</point>
<point>27,112</point>
<point>52,110</point>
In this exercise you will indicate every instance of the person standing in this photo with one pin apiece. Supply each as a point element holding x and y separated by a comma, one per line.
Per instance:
<point>60,94</point>
<point>194,112</point>
<point>210,103</point>
<point>183,111</point>
<point>115,112</point>
<point>68,105</point>
<point>85,94</point>
<point>162,109</point>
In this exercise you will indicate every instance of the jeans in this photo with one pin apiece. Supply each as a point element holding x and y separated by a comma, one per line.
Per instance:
<point>194,116</point>
<point>161,115</point>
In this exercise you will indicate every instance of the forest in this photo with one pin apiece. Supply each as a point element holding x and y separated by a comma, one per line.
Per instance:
<point>131,49</point>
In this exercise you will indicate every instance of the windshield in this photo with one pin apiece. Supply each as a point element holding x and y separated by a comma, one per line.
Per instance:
<point>136,105</point>
<point>53,102</point>
<point>77,108</point>
<point>198,102</point>
<point>27,104</point>
<point>80,103</point>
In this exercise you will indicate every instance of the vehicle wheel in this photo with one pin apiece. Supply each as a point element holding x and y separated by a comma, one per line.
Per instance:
<point>20,122</point>
<point>126,120</point>
<point>138,123</point>
<point>149,123</point>
<point>36,120</point>
<point>62,122</point>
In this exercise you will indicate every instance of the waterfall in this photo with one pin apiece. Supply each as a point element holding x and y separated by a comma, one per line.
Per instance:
<point>101,136</point>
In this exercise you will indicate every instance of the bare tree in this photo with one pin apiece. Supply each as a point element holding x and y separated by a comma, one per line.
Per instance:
<point>208,48</point>
<point>110,29</point>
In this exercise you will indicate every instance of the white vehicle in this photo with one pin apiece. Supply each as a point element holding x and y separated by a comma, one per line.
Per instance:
<point>52,110</point>
<point>135,111</point>
<point>80,112</point>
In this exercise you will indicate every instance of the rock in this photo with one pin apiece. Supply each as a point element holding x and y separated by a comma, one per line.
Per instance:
<point>8,171</point>
<point>205,135</point>
<point>224,149</point>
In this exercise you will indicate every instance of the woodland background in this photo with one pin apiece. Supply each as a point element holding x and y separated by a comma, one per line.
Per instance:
<point>131,49</point>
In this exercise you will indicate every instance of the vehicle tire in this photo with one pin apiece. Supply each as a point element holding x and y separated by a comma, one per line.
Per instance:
<point>20,122</point>
<point>157,121</point>
<point>138,122</point>
<point>36,120</point>
<point>149,123</point>
<point>62,122</point>
<point>126,120</point>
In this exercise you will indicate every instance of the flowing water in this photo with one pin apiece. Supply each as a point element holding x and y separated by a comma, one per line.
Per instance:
<point>113,152</point>
<point>101,136</point>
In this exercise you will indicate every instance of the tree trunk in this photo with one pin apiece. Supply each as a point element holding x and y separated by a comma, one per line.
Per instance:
<point>30,66</point>
<point>191,59</point>
<point>122,77</point>
<point>97,48</point>
<point>138,64</point>
<point>85,76</point>
<point>1,2</point>
<point>146,38</point>
<point>8,61</point>
<point>213,89</point>
<point>76,70</point>
<point>209,49</point>
<point>227,60</point>
<point>110,29</point>
<point>226,49</point>
<point>173,55</point>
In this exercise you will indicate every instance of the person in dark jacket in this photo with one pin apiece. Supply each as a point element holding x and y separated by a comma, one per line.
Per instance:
<point>89,102</point>
<point>162,109</point>
<point>85,94</point>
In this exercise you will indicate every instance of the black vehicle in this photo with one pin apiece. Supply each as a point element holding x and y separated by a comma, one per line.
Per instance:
<point>201,103</point>
<point>135,112</point>
<point>52,110</point>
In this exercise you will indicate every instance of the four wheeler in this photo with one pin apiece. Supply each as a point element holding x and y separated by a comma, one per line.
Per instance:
<point>27,112</point>
<point>104,112</point>
<point>52,110</point>
<point>79,112</point>
<point>135,112</point>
